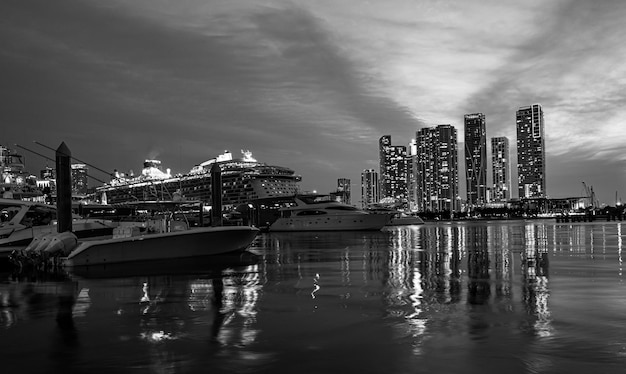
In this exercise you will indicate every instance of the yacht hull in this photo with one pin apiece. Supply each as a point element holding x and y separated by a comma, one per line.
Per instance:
<point>331,223</point>
<point>173,245</point>
<point>405,221</point>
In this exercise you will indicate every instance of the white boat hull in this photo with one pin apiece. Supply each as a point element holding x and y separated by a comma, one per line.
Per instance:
<point>82,228</point>
<point>405,221</point>
<point>180,244</point>
<point>331,223</point>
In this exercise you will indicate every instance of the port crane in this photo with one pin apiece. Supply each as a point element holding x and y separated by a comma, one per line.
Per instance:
<point>593,201</point>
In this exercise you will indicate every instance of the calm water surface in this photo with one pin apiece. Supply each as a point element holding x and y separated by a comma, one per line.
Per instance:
<point>475,297</point>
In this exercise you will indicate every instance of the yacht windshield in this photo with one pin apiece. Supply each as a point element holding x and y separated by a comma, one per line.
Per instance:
<point>311,213</point>
<point>342,207</point>
<point>8,211</point>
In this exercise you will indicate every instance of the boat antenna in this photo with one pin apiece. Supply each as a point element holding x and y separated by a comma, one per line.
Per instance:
<point>52,159</point>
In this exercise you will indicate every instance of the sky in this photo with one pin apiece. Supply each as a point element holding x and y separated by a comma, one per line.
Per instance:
<point>312,84</point>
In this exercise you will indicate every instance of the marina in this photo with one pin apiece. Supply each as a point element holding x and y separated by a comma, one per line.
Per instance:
<point>433,189</point>
<point>521,296</point>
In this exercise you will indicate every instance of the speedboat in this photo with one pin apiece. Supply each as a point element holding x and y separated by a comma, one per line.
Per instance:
<point>159,236</point>
<point>317,213</point>
<point>22,221</point>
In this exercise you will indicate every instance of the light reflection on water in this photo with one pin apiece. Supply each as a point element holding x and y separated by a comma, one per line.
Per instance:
<point>525,297</point>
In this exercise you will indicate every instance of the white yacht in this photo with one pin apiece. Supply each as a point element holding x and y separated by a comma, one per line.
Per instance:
<point>161,232</point>
<point>398,218</point>
<point>318,213</point>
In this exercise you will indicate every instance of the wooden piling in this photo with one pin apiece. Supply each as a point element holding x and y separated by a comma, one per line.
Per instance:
<point>64,188</point>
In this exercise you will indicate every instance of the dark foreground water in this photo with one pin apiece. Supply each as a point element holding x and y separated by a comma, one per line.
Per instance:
<point>478,297</point>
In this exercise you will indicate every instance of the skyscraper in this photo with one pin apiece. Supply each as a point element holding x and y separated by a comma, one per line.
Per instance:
<point>531,159</point>
<point>476,158</point>
<point>436,169</point>
<point>411,174</point>
<point>500,164</point>
<point>369,187</point>
<point>79,178</point>
<point>392,169</point>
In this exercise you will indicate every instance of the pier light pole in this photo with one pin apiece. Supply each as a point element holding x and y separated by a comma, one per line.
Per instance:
<point>64,188</point>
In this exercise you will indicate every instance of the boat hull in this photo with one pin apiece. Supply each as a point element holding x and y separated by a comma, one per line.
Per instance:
<point>182,244</point>
<point>20,239</point>
<point>331,223</point>
<point>405,221</point>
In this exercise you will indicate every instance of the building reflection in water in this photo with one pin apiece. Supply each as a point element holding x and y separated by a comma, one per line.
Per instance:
<point>619,248</point>
<point>433,277</point>
<point>423,270</point>
<point>535,266</point>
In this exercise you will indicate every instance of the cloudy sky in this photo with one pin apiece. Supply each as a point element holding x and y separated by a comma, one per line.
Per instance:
<point>312,84</point>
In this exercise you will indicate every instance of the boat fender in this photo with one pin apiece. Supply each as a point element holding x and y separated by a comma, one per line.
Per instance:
<point>63,242</point>
<point>39,242</point>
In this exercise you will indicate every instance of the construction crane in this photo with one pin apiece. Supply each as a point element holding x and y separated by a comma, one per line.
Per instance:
<point>591,196</point>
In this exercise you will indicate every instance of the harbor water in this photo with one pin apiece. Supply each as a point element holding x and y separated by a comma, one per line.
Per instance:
<point>448,297</point>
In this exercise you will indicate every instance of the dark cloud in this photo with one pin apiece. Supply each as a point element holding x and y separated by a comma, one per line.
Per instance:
<point>121,81</point>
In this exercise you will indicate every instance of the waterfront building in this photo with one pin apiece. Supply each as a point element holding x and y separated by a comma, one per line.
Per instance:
<point>15,181</point>
<point>393,177</point>
<point>80,183</point>
<point>500,164</point>
<point>411,172</point>
<point>475,159</point>
<point>47,173</point>
<point>244,179</point>
<point>531,159</point>
<point>12,167</point>
<point>436,168</point>
<point>369,187</point>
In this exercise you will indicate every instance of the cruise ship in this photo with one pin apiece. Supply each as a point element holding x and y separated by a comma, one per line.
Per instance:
<point>244,179</point>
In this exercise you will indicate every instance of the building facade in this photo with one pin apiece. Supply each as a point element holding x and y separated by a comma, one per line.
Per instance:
<point>476,159</point>
<point>411,172</point>
<point>500,164</point>
<point>531,159</point>
<point>436,169</point>
<point>370,193</point>
<point>80,179</point>
<point>47,173</point>
<point>393,177</point>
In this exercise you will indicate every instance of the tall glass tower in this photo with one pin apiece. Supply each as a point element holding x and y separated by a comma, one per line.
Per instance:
<point>79,178</point>
<point>531,158</point>
<point>500,164</point>
<point>436,169</point>
<point>369,187</point>
<point>393,169</point>
<point>476,158</point>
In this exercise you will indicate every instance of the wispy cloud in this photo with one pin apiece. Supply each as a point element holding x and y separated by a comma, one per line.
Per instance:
<point>300,80</point>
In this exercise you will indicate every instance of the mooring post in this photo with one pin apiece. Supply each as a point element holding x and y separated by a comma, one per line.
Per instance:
<point>216,195</point>
<point>64,188</point>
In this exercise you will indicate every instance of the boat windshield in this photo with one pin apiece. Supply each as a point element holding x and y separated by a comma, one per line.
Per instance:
<point>311,213</point>
<point>38,216</point>
<point>342,207</point>
<point>8,211</point>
